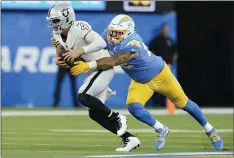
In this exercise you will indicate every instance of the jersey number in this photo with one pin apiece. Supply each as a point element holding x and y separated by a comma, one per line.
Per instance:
<point>83,26</point>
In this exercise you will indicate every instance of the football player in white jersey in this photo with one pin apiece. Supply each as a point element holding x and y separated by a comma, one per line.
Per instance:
<point>77,37</point>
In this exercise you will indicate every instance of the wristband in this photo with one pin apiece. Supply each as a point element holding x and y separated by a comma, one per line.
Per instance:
<point>92,65</point>
<point>85,50</point>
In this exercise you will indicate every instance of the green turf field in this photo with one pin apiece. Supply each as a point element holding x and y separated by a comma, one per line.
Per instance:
<point>35,136</point>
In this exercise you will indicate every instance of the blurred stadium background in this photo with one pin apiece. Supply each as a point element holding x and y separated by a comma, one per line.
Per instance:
<point>203,32</point>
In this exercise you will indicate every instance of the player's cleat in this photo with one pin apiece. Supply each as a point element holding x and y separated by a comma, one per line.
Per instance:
<point>161,136</point>
<point>129,144</point>
<point>121,125</point>
<point>215,139</point>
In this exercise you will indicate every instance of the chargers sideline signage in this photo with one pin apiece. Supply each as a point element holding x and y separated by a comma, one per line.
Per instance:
<point>139,6</point>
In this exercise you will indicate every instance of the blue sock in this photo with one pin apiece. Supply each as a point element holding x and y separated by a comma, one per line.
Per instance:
<point>194,110</point>
<point>140,113</point>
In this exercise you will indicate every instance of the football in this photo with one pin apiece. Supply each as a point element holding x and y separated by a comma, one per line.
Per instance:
<point>62,52</point>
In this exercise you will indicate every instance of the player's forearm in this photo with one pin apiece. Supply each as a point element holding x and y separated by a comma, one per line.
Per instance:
<point>96,42</point>
<point>106,63</point>
<point>110,62</point>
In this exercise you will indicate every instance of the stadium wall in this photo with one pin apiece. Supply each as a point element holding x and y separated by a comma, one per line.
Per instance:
<point>28,69</point>
<point>205,34</point>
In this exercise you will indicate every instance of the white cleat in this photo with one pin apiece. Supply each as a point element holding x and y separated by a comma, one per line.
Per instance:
<point>121,125</point>
<point>130,143</point>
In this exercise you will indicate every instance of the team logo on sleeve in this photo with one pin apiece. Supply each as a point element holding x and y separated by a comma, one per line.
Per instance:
<point>134,42</point>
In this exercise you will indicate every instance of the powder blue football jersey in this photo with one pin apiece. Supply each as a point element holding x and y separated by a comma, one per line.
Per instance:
<point>142,68</point>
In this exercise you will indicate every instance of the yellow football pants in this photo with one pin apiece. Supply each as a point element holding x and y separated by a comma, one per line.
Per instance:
<point>164,83</point>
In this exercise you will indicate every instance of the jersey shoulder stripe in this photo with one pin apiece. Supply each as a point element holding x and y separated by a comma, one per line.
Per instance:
<point>82,28</point>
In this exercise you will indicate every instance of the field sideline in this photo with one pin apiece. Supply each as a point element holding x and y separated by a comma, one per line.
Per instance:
<point>72,112</point>
<point>70,133</point>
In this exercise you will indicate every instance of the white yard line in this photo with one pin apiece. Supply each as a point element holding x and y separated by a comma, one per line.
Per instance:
<point>136,130</point>
<point>101,145</point>
<point>176,135</point>
<point>97,138</point>
<point>132,155</point>
<point>56,151</point>
<point>124,112</point>
<point>63,138</point>
<point>45,144</point>
<point>180,141</point>
<point>166,154</point>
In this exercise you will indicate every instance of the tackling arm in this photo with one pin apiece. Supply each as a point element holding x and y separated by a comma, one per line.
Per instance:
<point>103,63</point>
<point>110,62</point>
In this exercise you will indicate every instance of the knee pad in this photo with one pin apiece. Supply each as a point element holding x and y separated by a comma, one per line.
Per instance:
<point>180,104</point>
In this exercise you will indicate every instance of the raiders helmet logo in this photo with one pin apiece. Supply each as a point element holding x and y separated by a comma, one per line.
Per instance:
<point>65,12</point>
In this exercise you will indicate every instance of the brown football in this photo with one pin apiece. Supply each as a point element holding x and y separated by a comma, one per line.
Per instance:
<point>62,52</point>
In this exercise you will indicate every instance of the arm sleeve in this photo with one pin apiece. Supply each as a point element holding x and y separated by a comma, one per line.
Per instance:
<point>95,41</point>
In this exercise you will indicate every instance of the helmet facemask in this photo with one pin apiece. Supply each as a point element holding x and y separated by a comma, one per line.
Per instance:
<point>120,28</point>
<point>55,24</point>
<point>115,36</point>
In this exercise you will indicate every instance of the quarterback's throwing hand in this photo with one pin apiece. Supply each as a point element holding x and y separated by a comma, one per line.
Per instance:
<point>61,63</point>
<point>73,54</point>
<point>79,68</point>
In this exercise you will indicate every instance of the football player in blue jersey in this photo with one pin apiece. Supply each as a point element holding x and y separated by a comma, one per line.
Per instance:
<point>149,74</point>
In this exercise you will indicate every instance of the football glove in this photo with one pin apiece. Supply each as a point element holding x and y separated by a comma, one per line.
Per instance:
<point>79,68</point>
<point>55,43</point>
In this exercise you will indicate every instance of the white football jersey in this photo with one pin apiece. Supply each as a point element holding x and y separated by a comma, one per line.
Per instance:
<point>75,40</point>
